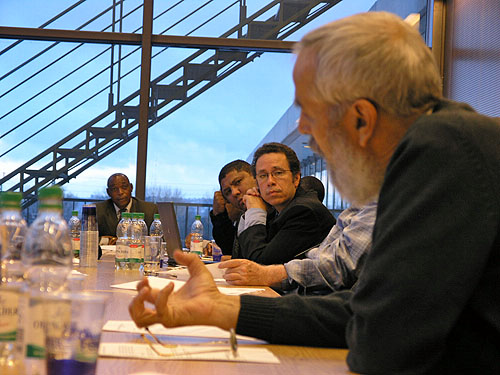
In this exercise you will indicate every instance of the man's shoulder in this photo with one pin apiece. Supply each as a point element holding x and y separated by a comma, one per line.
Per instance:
<point>451,119</point>
<point>143,205</point>
<point>305,204</point>
<point>103,204</point>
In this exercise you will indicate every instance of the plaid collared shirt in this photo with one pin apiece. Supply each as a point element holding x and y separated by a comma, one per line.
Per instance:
<point>337,262</point>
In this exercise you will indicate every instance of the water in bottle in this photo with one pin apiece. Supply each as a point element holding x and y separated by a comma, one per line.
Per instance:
<point>74,229</point>
<point>144,229</point>
<point>89,237</point>
<point>196,245</point>
<point>122,242</point>
<point>136,243</point>
<point>47,260</point>
<point>12,233</point>
<point>156,229</point>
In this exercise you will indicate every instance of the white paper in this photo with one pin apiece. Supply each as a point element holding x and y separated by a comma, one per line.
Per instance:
<point>190,331</point>
<point>108,249</point>
<point>160,283</point>
<point>187,352</point>
<point>182,273</point>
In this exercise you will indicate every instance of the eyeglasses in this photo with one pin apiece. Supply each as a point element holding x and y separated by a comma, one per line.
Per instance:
<point>278,173</point>
<point>233,345</point>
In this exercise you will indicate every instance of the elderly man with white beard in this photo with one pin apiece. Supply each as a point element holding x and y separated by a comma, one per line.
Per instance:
<point>427,298</point>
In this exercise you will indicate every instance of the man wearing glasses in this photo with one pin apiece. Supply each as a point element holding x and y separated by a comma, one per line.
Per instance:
<point>299,221</point>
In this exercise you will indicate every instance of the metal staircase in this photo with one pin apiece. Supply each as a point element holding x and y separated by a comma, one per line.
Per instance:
<point>101,136</point>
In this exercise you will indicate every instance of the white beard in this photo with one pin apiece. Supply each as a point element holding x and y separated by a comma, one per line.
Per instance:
<point>356,176</point>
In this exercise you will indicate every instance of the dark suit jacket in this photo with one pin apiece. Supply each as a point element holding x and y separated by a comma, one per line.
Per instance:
<point>304,223</point>
<point>107,220</point>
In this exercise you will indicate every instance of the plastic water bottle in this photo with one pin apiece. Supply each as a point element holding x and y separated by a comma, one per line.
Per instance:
<point>89,237</point>
<point>156,229</point>
<point>196,245</point>
<point>122,242</point>
<point>144,229</point>
<point>47,260</point>
<point>12,235</point>
<point>13,230</point>
<point>136,243</point>
<point>216,252</point>
<point>74,229</point>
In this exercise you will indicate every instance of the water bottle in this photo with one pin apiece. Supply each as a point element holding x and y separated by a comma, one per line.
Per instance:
<point>47,260</point>
<point>216,252</point>
<point>122,242</point>
<point>156,229</point>
<point>144,229</point>
<point>196,245</point>
<point>13,230</point>
<point>136,243</point>
<point>12,235</point>
<point>74,229</point>
<point>89,237</point>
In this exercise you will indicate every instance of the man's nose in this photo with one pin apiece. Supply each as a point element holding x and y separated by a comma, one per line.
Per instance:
<point>235,191</point>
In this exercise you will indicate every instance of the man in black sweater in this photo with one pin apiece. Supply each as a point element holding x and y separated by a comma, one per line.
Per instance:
<point>427,300</point>
<point>235,179</point>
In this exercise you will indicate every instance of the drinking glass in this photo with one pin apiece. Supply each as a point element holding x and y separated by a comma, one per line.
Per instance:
<point>152,252</point>
<point>73,325</point>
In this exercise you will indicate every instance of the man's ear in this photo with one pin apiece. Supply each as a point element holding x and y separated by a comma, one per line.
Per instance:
<point>107,191</point>
<point>366,120</point>
<point>131,187</point>
<point>296,180</point>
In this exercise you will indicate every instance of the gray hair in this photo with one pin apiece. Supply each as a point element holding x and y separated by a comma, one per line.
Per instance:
<point>376,56</point>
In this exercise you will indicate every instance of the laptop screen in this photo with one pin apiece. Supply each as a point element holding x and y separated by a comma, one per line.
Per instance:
<point>170,229</point>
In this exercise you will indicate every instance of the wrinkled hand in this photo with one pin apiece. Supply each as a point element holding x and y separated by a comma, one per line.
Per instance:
<point>244,272</point>
<point>219,204</point>
<point>197,302</point>
<point>253,199</point>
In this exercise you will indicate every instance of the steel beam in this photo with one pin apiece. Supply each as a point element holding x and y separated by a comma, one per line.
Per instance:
<point>79,36</point>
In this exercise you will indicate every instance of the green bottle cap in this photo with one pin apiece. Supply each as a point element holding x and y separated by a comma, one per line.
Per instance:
<point>10,199</point>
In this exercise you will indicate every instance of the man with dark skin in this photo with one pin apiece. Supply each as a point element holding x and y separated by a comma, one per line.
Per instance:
<point>119,190</point>
<point>235,179</point>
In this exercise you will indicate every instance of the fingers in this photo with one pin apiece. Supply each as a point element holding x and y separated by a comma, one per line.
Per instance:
<point>161,305</point>
<point>253,191</point>
<point>193,262</point>
<point>141,315</point>
<point>231,263</point>
<point>142,284</point>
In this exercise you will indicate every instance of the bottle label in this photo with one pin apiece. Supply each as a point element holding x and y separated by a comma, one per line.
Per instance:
<point>121,254</point>
<point>34,332</point>
<point>75,246</point>
<point>196,247</point>
<point>136,253</point>
<point>9,301</point>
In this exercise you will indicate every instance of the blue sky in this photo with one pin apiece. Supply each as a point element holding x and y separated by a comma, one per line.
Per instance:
<point>187,149</point>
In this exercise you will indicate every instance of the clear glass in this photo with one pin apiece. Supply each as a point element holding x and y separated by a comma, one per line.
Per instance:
<point>152,255</point>
<point>72,332</point>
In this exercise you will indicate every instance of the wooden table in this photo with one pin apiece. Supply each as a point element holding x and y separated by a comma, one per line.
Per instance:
<point>294,359</point>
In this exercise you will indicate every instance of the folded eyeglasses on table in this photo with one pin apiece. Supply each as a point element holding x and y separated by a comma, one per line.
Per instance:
<point>233,345</point>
